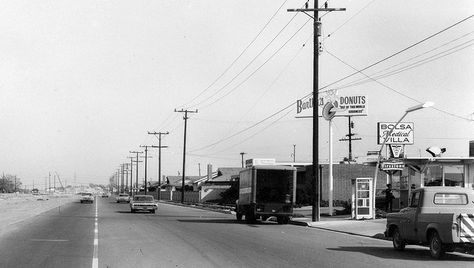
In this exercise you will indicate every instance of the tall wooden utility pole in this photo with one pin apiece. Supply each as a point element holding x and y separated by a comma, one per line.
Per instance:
<point>136,161</point>
<point>146,163</point>
<point>317,33</point>
<point>159,158</point>
<point>184,148</point>
<point>131,175</point>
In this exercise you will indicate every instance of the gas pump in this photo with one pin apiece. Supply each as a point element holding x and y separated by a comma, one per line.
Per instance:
<point>362,192</point>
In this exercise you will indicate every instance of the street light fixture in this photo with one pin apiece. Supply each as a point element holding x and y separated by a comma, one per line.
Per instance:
<point>409,110</point>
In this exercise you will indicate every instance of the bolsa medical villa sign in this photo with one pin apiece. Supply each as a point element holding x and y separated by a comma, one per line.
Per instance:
<point>402,133</point>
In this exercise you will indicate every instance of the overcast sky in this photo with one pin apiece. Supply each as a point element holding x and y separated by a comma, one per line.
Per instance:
<point>84,81</point>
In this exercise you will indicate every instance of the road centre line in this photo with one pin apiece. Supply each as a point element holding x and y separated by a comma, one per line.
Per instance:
<point>95,255</point>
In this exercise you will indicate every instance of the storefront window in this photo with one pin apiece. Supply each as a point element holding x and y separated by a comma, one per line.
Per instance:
<point>434,176</point>
<point>454,175</point>
<point>437,175</point>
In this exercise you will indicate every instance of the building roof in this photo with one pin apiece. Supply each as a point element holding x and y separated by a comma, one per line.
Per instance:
<point>178,180</point>
<point>225,174</point>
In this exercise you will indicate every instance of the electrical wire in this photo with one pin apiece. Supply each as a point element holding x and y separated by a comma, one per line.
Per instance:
<point>415,64</point>
<point>396,91</point>
<point>256,70</point>
<point>399,52</point>
<point>244,69</point>
<point>236,59</point>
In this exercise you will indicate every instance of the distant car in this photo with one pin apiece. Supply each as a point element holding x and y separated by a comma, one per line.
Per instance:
<point>87,198</point>
<point>106,195</point>
<point>143,203</point>
<point>42,197</point>
<point>123,198</point>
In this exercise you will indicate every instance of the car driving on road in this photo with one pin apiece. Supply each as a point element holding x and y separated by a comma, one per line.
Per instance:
<point>143,203</point>
<point>87,198</point>
<point>123,198</point>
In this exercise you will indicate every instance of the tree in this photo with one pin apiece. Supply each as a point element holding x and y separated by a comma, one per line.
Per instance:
<point>9,183</point>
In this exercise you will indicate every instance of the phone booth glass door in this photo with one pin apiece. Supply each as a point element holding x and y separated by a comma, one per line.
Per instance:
<point>362,191</point>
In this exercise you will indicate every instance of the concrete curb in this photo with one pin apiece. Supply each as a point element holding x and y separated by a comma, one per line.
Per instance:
<point>380,236</point>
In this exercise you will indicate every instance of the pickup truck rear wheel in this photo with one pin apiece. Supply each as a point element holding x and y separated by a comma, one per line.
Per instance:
<point>398,242</point>
<point>436,246</point>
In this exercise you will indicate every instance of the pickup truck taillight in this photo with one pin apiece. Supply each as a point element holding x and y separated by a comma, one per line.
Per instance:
<point>455,228</point>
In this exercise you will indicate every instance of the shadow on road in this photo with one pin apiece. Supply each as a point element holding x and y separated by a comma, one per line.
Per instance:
<point>228,221</point>
<point>407,254</point>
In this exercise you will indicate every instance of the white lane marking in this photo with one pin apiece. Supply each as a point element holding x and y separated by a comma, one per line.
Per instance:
<point>49,240</point>
<point>95,255</point>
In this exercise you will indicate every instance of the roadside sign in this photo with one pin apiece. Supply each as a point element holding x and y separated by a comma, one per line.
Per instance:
<point>403,133</point>
<point>396,150</point>
<point>392,166</point>
<point>349,105</point>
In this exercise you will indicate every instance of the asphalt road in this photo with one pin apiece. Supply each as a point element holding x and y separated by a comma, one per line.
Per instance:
<point>188,237</point>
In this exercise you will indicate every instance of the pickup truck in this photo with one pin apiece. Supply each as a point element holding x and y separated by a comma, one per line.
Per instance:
<point>440,217</point>
<point>143,203</point>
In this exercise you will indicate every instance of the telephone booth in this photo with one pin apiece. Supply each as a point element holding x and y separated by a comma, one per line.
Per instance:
<point>362,193</point>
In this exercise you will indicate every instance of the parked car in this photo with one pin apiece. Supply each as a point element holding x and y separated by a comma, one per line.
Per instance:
<point>123,198</point>
<point>143,203</point>
<point>440,217</point>
<point>87,198</point>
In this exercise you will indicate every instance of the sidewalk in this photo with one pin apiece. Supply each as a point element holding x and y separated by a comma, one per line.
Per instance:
<point>341,223</point>
<point>344,224</point>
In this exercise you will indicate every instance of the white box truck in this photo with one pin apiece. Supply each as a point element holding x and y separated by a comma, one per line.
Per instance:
<point>266,191</point>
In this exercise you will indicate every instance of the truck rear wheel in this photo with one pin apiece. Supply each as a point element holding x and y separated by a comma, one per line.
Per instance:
<point>436,246</point>
<point>250,217</point>
<point>283,219</point>
<point>398,242</point>
<point>238,216</point>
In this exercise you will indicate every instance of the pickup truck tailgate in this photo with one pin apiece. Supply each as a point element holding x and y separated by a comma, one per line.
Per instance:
<point>466,227</point>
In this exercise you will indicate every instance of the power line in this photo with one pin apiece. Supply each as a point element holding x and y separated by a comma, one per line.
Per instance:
<point>399,52</point>
<point>238,57</point>
<point>264,63</point>
<point>245,68</point>
<point>397,91</point>
<point>410,66</point>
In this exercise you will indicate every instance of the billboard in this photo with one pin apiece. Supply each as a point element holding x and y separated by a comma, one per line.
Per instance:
<point>402,133</point>
<point>348,105</point>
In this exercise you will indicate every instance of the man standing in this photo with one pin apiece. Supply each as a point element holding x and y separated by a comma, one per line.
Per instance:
<point>388,198</point>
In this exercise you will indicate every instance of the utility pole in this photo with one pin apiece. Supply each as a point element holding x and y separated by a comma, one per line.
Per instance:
<point>49,183</point>
<point>317,33</point>
<point>118,181</point>
<point>146,167</point>
<point>131,175</point>
<point>242,156</point>
<point>184,147</point>
<point>121,179</point>
<point>350,139</point>
<point>126,177</point>
<point>159,158</point>
<point>136,161</point>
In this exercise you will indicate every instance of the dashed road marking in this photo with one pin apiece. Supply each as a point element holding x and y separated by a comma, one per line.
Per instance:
<point>95,256</point>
